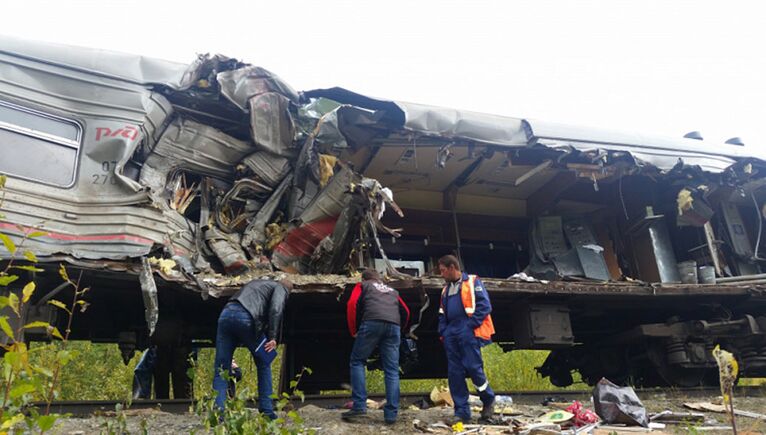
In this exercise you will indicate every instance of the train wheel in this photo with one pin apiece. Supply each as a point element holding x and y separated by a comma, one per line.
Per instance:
<point>674,374</point>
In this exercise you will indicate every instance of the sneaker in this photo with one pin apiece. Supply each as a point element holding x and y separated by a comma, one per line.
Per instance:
<point>488,410</point>
<point>352,414</point>
<point>389,422</point>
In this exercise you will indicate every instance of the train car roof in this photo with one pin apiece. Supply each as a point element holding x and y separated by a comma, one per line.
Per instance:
<point>660,151</point>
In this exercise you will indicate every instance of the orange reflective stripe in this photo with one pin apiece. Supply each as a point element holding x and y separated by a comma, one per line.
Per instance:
<point>468,295</point>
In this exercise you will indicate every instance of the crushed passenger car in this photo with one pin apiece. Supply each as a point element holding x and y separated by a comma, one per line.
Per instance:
<point>628,255</point>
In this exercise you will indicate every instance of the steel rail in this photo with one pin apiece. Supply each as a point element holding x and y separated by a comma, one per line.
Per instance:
<point>526,397</point>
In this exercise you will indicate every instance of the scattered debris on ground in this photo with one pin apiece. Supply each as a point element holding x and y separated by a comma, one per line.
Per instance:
<point>666,413</point>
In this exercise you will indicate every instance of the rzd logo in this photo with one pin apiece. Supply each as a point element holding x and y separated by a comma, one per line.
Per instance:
<point>128,132</point>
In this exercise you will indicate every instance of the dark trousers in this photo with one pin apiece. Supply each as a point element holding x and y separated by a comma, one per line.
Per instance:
<point>142,374</point>
<point>464,360</point>
<point>236,328</point>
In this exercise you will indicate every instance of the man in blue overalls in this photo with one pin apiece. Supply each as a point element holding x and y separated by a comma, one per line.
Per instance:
<point>465,325</point>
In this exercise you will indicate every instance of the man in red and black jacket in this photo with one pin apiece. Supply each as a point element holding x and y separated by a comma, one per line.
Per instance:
<point>376,314</point>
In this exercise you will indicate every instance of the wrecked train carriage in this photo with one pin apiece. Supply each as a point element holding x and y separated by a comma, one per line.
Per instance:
<point>201,177</point>
<point>157,180</point>
<point>629,256</point>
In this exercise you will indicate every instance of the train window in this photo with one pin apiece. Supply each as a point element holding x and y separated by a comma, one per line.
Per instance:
<point>36,146</point>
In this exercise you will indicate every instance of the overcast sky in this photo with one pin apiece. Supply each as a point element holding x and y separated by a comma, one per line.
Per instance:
<point>650,66</point>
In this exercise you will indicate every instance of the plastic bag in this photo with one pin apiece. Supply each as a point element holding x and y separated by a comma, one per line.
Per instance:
<point>618,404</point>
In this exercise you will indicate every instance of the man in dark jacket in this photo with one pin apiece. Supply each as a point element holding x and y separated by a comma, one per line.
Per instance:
<point>379,313</point>
<point>251,318</point>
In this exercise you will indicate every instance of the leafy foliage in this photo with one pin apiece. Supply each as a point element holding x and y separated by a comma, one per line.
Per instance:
<point>24,378</point>
<point>238,419</point>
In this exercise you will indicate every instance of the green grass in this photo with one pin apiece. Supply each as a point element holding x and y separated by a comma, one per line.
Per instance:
<point>506,371</point>
<point>99,373</point>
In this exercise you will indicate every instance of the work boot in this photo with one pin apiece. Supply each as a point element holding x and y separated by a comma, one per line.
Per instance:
<point>353,414</point>
<point>488,410</point>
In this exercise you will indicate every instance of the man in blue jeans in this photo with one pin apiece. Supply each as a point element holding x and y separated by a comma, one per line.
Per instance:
<point>255,311</point>
<point>380,314</point>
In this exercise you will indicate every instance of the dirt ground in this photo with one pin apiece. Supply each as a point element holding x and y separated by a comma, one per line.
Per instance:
<point>328,421</point>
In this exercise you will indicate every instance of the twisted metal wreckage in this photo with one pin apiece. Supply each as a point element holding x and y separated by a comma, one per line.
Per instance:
<point>204,176</point>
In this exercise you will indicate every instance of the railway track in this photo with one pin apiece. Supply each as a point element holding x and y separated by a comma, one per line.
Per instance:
<point>181,406</point>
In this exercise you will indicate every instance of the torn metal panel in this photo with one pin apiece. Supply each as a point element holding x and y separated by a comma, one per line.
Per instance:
<point>452,123</point>
<point>568,263</point>
<point>241,84</point>
<point>658,151</point>
<point>332,253</point>
<point>255,233</point>
<point>300,198</point>
<point>316,108</point>
<point>194,147</point>
<point>330,201</point>
<point>590,254</point>
<point>315,223</point>
<point>271,125</point>
<point>551,236</point>
<point>294,253</point>
<point>739,239</point>
<point>328,130</point>
<point>662,248</point>
<point>307,165</point>
<point>740,242</point>
<point>435,121</point>
<point>348,127</point>
<point>149,294</point>
<point>203,71</point>
<point>546,242</point>
<point>231,210</point>
<point>226,248</point>
<point>585,257</point>
<point>661,152</point>
<point>269,168</point>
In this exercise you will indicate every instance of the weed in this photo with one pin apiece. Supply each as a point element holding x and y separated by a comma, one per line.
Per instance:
<point>237,418</point>
<point>118,425</point>
<point>23,379</point>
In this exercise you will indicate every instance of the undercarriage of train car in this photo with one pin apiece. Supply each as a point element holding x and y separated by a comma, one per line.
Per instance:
<point>621,269</point>
<point>626,259</point>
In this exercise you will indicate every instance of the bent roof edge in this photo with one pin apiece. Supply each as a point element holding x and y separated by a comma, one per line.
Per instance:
<point>122,66</point>
<point>438,121</point>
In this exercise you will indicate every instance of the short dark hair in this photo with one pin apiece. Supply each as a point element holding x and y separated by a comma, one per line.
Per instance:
<point>287,284</point>
<point>369,274</point>
<point>450,260</point>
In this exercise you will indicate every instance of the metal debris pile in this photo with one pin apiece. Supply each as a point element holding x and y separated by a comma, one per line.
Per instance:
<point>255,186</point>
<point>616,410</point>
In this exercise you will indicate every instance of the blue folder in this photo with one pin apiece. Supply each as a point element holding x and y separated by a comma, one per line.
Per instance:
<point>261,353</point>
